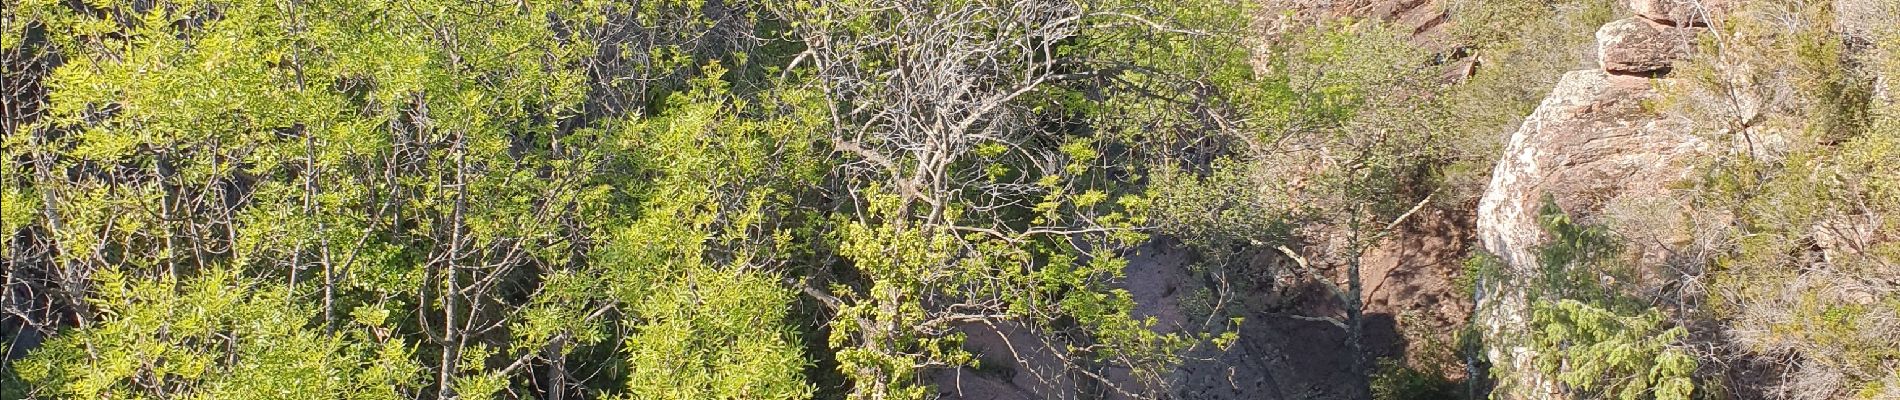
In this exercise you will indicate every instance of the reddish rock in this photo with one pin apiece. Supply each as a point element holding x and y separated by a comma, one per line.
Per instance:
<point>1679,12</point>
<point>1634,46</point>
<point>1589,146</point>
<point>1590,141</point>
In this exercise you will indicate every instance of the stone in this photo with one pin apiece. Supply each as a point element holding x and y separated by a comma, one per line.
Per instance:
<point>1635,46</point>
<point>1589,142</point>
<point>1679,12</point>
<point>1588,146</point>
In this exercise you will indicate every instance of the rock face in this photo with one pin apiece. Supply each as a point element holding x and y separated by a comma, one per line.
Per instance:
<point>1680,12</point>
<point>1589,147</point>
<point>1588,143</point>
<point>1637,46</point>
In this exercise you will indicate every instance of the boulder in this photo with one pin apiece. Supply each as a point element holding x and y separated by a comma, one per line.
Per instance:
<point>1589,145</point>
<point>1589,141</point>
<point>1636,46</point>
<point>1679,12</point>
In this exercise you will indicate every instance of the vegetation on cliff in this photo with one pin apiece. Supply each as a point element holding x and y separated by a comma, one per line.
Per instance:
<point>738,199</point>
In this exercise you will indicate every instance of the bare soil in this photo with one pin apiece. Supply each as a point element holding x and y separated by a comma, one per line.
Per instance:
<point>1411,279</point>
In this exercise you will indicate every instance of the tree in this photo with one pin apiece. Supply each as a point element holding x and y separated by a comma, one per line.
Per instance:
<point>423,175</point>
<point>1796,187</point>
<point>977,195</point>
<point>1599,352</point>
<point>217,336</point>
<point>697,272</point>
<point>1589,330</point>
<point>1334,151</point>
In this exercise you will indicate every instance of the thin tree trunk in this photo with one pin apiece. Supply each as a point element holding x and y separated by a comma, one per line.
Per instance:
<point>557,371</point>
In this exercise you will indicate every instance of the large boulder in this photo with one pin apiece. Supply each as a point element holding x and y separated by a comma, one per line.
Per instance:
<point>1589,142</point>
<point>1637,46</point>
<point>1588,147</point>
<point>1680,12</point>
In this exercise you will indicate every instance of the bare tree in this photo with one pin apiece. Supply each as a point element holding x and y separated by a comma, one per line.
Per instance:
<point>951,106</point>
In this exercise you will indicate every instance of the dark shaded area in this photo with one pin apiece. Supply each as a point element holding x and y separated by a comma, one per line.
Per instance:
<point>1277,355</point>
<point>1283,358</point>
<point>30,307</point>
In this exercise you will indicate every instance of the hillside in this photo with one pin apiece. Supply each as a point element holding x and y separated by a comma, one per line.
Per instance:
<point>950,199</point>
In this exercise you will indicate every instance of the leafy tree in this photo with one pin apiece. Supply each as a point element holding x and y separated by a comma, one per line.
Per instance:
<point>1589,332</point>
<point>218,336</point>
<point>426,167</point>
<point>697,269</point>
<point>981,197</point>
<point>1335,153</point>
<point>1602,353</point>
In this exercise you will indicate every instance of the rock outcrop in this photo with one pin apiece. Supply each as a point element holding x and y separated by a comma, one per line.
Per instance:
<point>1680,12</point>
<point>1589,146</point>
<point>1589,143</point>
<point>1639,46</point>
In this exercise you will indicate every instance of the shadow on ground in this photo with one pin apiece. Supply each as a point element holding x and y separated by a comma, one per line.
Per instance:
<point>1410,291</point>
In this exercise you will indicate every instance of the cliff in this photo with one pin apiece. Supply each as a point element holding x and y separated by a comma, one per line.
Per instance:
<point>1589,147</point>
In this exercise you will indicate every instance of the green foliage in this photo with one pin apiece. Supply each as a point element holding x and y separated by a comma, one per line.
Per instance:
<point>219,336</point>
<point>1338,93</point>
<point>995,178</point>
<point>1588,332</point>
<point>553,198</point>
<point>1807,179</point>
<point>1580,262</point>
<point>1511,28</point>
<point>418,168</point>
<point>1171,87</point>
<point>1339,140</point>
<point>693,267</point>
<point>1396,381</point>
<point>900,263</point>
<point>1602,353</point>
<point>1479,267</point>
<point>11,386</point>
<point>1205,212</point>
<point>715,335</point>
